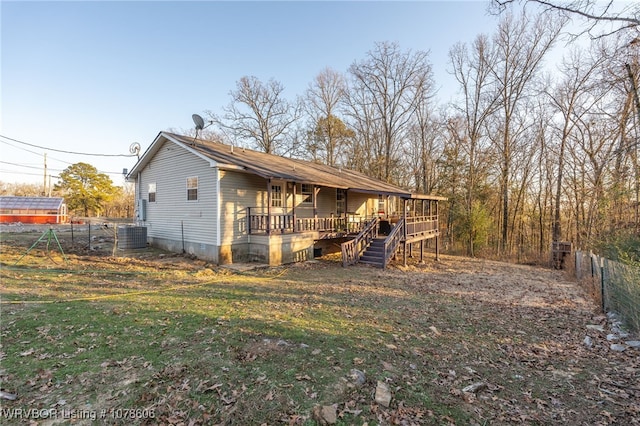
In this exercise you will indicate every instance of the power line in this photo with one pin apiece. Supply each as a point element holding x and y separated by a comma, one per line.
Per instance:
<point>13,172</point>
<point>39,154</point>
<point>48,168</point>
<point>24,149</point>
<point>29,167</point>
<point>67,152</point>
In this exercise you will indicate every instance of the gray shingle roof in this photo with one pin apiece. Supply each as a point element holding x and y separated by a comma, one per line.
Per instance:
<point>290,169</point>
<point>271,166</point>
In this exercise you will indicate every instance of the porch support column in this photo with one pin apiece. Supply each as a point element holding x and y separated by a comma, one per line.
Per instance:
<point>269,195</point>
<point>404,238</point>
<point>346,214</point>
<point>293,209</point>
<point>316,191</point>
<point>437,237</point>
<point>346,204</point>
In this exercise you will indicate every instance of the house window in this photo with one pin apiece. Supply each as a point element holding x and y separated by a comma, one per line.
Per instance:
<point>152,192</point>
<point>307,193</point>
<point>192,188</point>
<point>276,196</point>
<point>380,204</point>
<point>341,198</point>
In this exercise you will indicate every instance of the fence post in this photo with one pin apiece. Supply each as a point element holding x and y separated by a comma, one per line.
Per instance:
<point>602,283</point>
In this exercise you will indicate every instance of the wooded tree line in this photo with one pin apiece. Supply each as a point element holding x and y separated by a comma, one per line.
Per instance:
<point>527,154</point>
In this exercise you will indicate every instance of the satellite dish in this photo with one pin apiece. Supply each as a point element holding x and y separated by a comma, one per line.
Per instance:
<point>198,121</point>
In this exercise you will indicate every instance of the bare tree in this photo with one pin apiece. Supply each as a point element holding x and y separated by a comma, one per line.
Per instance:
<point>388,86</point>
<point>260,114</point>
<point>329,133</point>
<point>423,150</point>
<point>365,153</point>
<point>472,68</point>
<point>603,18</point>
<point>521,45</point>
<point>573,97</point>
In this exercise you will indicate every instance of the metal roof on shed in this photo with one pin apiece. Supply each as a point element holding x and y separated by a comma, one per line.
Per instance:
<point>30,203</point>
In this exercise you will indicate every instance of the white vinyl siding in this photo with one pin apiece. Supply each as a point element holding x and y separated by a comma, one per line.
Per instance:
<point>239,191</point>
<point>363,205</point>
<point>172,215</point>
<point>326,202</point>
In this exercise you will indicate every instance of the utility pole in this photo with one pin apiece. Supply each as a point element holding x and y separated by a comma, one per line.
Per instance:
<point>44,186</point>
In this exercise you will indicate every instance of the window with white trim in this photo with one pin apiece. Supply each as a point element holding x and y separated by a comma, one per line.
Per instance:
<point>152,192</point>
<point>192,188</point>
<point>341,198</point>
<point>276,195</point>
<point>306,190</point>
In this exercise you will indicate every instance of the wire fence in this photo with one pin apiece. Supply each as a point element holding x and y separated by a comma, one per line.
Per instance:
<point>614,285</point>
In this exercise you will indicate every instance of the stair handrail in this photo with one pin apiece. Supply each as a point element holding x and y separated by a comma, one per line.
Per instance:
<point>353,249</point>
<point>392,241</point>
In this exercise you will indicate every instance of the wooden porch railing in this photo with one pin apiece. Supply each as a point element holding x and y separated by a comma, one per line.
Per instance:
<point>284,223</point>
<point>421,225</point>
<point>353,249</point>
<point>395,237</point>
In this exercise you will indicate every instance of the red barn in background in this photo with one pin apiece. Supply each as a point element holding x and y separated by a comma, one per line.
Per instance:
<point>33,210</point>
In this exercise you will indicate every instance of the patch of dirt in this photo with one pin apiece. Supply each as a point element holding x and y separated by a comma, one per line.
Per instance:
<point>498,282</point>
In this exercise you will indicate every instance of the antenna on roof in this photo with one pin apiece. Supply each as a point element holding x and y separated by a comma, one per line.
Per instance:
<point>199,122</point>
<point>134,148</point>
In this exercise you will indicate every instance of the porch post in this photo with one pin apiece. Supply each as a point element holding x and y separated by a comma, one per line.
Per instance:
<point>269,195</point>
<point>316,191</point>
<point>404,238</point>
<point>437,236</point>
<point>293,207</point>
<point>346,204</point>
<point>314,224</point>
<point>346,215</point>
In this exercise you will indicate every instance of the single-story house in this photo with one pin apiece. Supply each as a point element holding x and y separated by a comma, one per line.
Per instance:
<point>228,204</point>
<point>32,210</point>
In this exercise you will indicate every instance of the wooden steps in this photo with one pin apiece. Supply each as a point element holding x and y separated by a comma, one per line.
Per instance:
<point>374,254</point>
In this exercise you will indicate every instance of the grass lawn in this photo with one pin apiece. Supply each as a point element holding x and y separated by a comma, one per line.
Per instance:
<point>169,340</point>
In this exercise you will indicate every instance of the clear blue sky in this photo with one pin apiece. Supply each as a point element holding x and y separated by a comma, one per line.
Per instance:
<point>97,76</point>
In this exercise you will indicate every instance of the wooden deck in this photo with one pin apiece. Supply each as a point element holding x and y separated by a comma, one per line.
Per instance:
<point>377,249</point>
<point>374,240</point>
